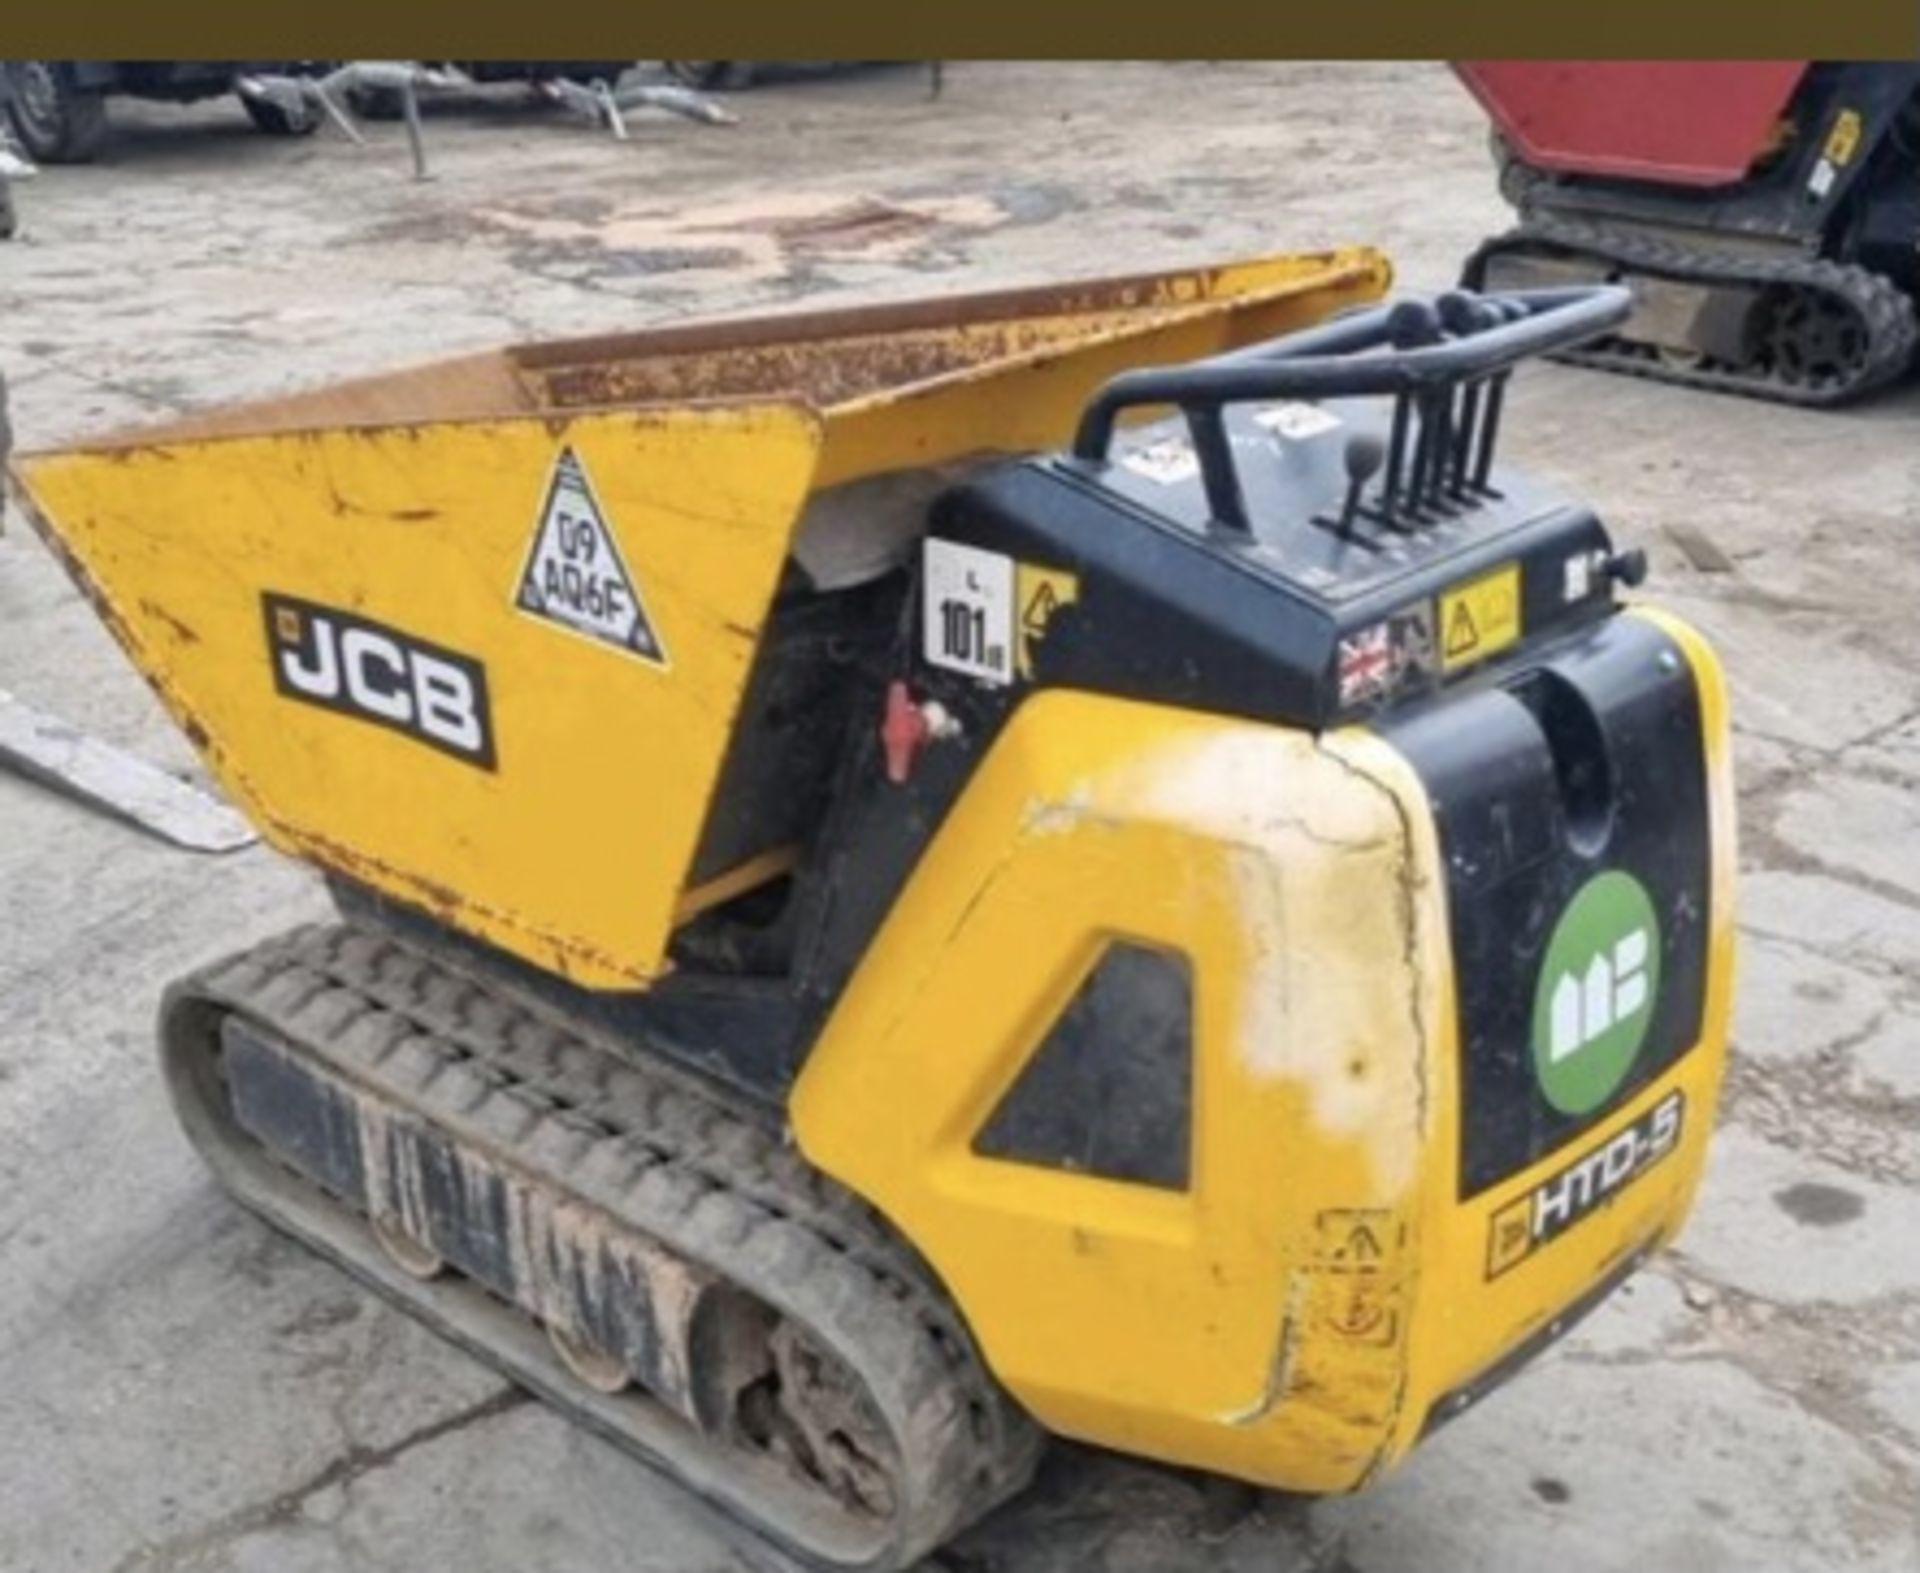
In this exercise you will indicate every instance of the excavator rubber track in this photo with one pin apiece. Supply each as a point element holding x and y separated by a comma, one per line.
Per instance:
<point>1833,331</point>
<point>609,1233</point>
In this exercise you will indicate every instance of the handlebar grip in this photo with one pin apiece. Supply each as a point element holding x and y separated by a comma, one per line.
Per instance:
<point>1418,351</point>
<point>1422,346</point>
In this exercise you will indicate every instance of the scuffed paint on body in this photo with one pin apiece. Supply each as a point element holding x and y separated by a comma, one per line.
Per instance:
<point>1296,1313</point>
<point>1278,870</point>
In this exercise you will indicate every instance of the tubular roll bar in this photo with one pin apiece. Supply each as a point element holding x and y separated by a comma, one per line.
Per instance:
<point>1450,358</point>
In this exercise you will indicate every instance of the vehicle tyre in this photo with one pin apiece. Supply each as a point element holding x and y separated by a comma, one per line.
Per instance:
<point>711,75</point>
<point>55,119</point>
<point>377,103</point>
<point>278,120</point>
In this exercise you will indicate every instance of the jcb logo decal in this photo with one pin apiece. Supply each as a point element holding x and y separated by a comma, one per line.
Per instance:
<point>354,666</point>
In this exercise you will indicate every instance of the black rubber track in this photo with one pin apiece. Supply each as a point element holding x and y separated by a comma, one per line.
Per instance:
<point>1885,312</point>
<point>657,1156</point>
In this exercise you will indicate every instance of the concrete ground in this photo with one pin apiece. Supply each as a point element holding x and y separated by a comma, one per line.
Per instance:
<point>180,1389</point>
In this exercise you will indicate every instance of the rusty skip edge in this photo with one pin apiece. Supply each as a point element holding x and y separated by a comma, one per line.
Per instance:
<point>122,631</point>
<point>1320,270</point>
<point>19,493</point>
<point>849,357</point>
<point>851,354</point>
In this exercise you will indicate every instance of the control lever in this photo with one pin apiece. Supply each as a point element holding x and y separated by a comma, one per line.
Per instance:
<point>1413,324</point>
<point>1364,455</point>
<point>1420,355</point>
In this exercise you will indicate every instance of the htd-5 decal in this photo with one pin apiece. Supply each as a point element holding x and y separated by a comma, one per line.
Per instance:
<point>1561,1200</point>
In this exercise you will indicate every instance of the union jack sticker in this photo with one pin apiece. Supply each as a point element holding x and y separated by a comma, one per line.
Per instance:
<point>1382,657</point>
<point>1366,664</point>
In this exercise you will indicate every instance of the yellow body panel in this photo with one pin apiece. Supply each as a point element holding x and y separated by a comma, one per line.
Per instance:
<point>1294,1315</point>
<point>411,500</point>
<point>605,760</point>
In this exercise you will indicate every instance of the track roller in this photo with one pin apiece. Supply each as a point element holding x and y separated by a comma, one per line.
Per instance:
<point>654,1263</point>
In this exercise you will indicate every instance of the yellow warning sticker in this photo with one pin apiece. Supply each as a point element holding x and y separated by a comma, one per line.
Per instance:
<point>1844,138</point>
<point>1480,618</point>
<point>1038,594</point>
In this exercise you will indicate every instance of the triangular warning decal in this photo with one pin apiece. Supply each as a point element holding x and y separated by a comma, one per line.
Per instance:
<point>1041,606</point>
<point>1462,635</point>
<point>575,575</point>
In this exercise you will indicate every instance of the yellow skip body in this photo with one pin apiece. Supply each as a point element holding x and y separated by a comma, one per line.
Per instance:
<point>411,499</point>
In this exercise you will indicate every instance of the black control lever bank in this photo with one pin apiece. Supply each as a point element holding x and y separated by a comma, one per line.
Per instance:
<point>1444,362</point>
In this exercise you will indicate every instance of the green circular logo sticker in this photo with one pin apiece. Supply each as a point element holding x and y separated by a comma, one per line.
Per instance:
<point>1594,1000</point>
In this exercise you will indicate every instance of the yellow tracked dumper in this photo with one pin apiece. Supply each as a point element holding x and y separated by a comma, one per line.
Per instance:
<point>1076,861</point>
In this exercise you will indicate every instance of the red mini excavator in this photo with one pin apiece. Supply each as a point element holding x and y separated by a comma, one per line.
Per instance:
<point>1765,214</point>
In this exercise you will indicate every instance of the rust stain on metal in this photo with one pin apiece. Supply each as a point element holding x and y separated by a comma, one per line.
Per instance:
<point>171,700</point>
<point>564,952</point>
<point>181,632</point>
<point>832,358</point>
<point>828,372</point>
